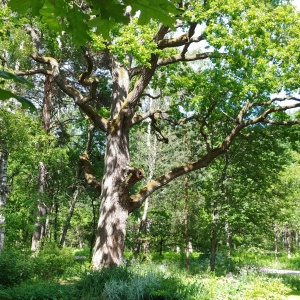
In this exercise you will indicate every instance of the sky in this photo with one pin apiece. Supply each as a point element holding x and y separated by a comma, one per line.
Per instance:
<point>297,3</point>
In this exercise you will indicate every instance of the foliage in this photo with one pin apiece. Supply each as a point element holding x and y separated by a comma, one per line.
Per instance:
<point>39,291</point>
<point>15,267</point>
<point>52,262</point>
<point>160,280</point>
<point>77,19</point>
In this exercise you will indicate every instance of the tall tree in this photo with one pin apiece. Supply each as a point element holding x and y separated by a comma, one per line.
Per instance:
<point>249,52</point>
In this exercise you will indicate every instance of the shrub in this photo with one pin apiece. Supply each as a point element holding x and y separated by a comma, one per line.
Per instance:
<point>15,268</point>
<point>52,262</point>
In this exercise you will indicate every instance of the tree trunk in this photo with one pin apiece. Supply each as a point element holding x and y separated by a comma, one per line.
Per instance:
<point>68,220</point>
<point>40,225</point>
<point>289,243</point>
<point>276,233</point>
<point>213,236</point>
<point>3,193</point>
<point>118,178</point>
<point>186,224</point>
<point>151,162</point>
<point>228,237</point>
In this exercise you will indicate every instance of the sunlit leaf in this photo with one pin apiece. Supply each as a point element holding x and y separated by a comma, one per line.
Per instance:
<point>10,76</point>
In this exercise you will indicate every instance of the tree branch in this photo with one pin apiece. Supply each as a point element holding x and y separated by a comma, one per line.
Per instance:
<point>179,57</point>
<point>85,160</point>
<point>138,198</point>
<point>82,102</point>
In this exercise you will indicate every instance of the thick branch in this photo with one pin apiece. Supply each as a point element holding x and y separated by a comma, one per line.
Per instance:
<point>182,40</point>
<point>178,57</point>
<point>140,85</point>
<point>34,72</point>
<point>132,176</point>
<point>85,160</point>
<point>153,185</point>
<point>239,125</point>
<point>81,101</point>
<point>156,114</point>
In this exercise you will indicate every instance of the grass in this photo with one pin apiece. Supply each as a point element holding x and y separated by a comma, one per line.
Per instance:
<point>159,278</point>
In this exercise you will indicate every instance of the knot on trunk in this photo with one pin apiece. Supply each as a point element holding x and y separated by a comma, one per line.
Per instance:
<point>132,176</point>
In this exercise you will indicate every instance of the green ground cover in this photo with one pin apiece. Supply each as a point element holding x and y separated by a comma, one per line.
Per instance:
<point>55,275</point>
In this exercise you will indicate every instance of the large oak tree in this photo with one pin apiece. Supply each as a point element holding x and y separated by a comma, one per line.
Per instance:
<point>248,52</point>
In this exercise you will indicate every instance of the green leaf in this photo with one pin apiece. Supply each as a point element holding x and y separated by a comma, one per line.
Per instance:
<point>7,75</point>
<point>23,6</point>
<point>26,104</point>
<point>160,10</point>
<point>78,29</point>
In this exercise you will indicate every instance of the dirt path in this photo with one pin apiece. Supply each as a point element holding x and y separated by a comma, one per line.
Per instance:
<point>276,271</point>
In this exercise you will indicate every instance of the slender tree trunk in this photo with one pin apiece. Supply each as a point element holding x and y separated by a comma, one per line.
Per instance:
<point>186,223</point>
<point>228,237</point>
<point>40,225</point>
<point>69,217</point>
<point>151,162</point>
<point>289,243</point>
<point>213,236</point>
<point>94,228</point>
<point>3,194</point>
<point>276,231</point>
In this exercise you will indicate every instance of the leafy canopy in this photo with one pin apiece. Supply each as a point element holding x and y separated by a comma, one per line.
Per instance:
<point>77,18</point>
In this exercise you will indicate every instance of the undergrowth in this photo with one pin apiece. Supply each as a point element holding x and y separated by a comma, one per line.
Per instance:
<point>159,278</point>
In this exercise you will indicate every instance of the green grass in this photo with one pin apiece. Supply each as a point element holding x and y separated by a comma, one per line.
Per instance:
<point>159,278</point>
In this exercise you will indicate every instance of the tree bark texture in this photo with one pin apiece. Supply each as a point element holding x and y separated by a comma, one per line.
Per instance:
<point>118,178</point>
<point>214,236</point>
<point>3,194</point>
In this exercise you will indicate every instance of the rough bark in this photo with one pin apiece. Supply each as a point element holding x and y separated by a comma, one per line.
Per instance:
<point>3,194</point>
<point>118,178</point>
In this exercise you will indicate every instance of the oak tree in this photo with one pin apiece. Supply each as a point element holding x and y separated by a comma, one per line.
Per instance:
<point>248,52</point>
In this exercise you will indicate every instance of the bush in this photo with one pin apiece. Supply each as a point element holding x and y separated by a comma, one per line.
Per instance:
<point>15,268</point>
<point>52,262</point>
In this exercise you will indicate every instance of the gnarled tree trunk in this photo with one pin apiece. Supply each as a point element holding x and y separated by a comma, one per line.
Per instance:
<point>118,178</point>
